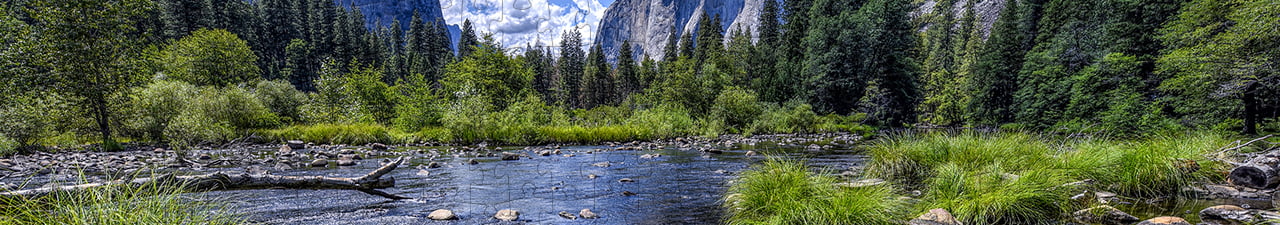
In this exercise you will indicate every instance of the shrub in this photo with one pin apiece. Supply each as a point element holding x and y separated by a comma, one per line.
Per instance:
<point>736,107</point>
<point>358,96</point>
<point>280,97</point>
<point>24,118</point>
<point>192,128</point>
<point>156,104</point>
<point>795,117</point>
<point>211,57</point>
<point>418,105</point>
<point>8,146</point>
<point>664,121</point>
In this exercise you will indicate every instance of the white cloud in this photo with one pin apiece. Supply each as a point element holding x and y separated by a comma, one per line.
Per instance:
<point>516,23</point>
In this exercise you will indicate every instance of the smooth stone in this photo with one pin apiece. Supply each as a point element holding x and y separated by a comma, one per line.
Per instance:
<point>346,162</point>
<point>510,156</point>
<point>319,163</point>
<point>507,215</point>
<point>626,180</point>
<point>601,164</point>
<point>1228,213</point>
<point>472,162</point>
<point>1104,215</point>
<point>204,157</point>
<point>587,214</point>
<point>568,215</point>
<point>1165,220</point>
<point>751,153</point>
<point>935,217</point>
<point>296,144</point>
<point>433,165</point>
<point>628,193</point>
<point>379,146</point>
<point>442,214</point>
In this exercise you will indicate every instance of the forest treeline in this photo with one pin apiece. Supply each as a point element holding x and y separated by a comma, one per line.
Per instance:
<point>191,72</point>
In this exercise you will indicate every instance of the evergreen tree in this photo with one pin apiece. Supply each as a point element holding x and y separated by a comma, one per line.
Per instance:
<point>628,79</point>
<point>597,85</point>
<point>995,74</point>
<point>572,62</point>
<point>769,24</point>
<point>670,52</point>
<point>468,39</point>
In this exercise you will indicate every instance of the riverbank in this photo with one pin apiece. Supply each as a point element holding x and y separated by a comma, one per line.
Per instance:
<point>1000,178</point>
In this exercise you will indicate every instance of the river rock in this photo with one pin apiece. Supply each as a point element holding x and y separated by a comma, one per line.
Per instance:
<point>510,156</point>
<point>1103,215</point>
<point>568,215</point>
<point>433,165</point>
<point>628,193</point>
<point>1165,220</point>
<point>587,214</point>
<point>626,180</point>
<point>1227,214</point>
<point>442,214</point>
<point>379,146</point>
<point>601,164</point>
<point>935,217</point>
<point>751,153</point>
<point>472,162</point>
<point>544,153</point>
<point>296,144</point>
<point>319,163</point>
<point>204,156</point>
<point>346,161</point>
<point>507,215</point>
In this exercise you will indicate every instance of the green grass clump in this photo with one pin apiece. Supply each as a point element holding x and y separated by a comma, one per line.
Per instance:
<point>1017,178</point>
<point>145,204</point>
<point>786,192</point>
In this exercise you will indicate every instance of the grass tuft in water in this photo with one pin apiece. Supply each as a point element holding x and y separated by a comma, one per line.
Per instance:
<point>786,192</point>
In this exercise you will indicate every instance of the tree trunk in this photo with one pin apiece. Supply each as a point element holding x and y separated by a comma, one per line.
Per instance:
<point>1250,108</point>
<point>219,181</point>
<point>103,118</point>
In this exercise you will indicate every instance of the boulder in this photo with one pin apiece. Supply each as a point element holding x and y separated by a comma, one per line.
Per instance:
<point>1103,215</point>
<point>568,215</point>
<point>1165,220</point>
<point>319,163</point>
<point>510,156</point>
<point>442,214</point>
<point>507,215</point>
<point>587,214</point>
<point>935,217</point>
<point>296,144</point>
<point>1227,214</point>
<point>346,161</point>
<point>379,146</point>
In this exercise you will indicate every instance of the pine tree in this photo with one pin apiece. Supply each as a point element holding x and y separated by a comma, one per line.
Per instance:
<point>468,39</point>
<point>572,63</point>
<point>995,74</point>
<point>628,81</point>
<point>670,52</point>
<point>597,85</point>
<point>769,24</point>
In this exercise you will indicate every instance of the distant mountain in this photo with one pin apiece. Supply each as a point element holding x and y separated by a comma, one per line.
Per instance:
<point>380,13</point>
<point>647,23</point>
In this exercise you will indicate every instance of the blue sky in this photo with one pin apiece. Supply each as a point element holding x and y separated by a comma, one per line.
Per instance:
<point>516,23</point>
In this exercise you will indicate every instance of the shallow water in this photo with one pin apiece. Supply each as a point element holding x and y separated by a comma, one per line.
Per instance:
<point>679,187</point>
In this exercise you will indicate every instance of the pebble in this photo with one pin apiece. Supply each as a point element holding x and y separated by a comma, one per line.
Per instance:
<point>442,214</point>
<point>507,215</point>
<point>587,214</point>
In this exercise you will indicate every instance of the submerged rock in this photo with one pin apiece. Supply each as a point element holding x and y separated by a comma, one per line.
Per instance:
<point>510,156</point>
<point>472,162</point>
<point>1228,214</point>
<point>1165,220</point>
<point>587,214</point>
<point>442,214</point>
<point>1103,215</point>
<point>935,217</point>
<point>507,215</point>
<point>568,215</point>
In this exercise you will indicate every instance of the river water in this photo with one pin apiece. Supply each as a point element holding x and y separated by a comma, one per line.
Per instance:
<point>681,186</point>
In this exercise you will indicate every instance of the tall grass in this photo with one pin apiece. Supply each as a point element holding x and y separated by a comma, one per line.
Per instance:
<point>785,192</point>
<point>334,133</point>
<point>145,204</point>
<point>981,178</point>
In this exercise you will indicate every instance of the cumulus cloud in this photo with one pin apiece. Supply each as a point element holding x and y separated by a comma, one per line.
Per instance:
<point>517,23</point>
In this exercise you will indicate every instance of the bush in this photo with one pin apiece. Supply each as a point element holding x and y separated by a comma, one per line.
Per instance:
<point>281,98</point>
<point>664,121</point>
<point>24,118</point>
<point>211,57</point>
<point>795,117</point>
<point>736,107</point>
<point>192,128</point>
<point>8,146</point>
<point>156,104</point>
<point>358,96</point>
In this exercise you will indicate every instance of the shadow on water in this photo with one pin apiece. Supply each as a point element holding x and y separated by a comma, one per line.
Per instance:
<point>678,187</point>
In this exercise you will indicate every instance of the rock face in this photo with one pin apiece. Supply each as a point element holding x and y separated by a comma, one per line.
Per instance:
<point>380,13</point>
<point>647,23</point>
<point>985,11</point>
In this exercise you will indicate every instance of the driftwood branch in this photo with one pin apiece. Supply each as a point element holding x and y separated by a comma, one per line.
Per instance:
<point>369,183</point>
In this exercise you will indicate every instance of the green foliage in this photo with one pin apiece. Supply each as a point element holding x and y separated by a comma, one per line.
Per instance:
<point>190,129</point>
<point>8,146</point>
<point>122,204</point>
<point>210,57</point>
<point>280,97</point>
<point>418,105</point>
<point>786,192</point>
<point>736,107</point>
<point>1015,177</point>
<point>157,104</point>
<point>357,96</point>
<point>793,117</point>
<point>489,73</point>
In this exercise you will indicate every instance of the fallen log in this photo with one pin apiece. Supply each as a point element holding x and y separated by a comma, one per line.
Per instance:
<point>369,183</point>
<point>1261,172</point>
